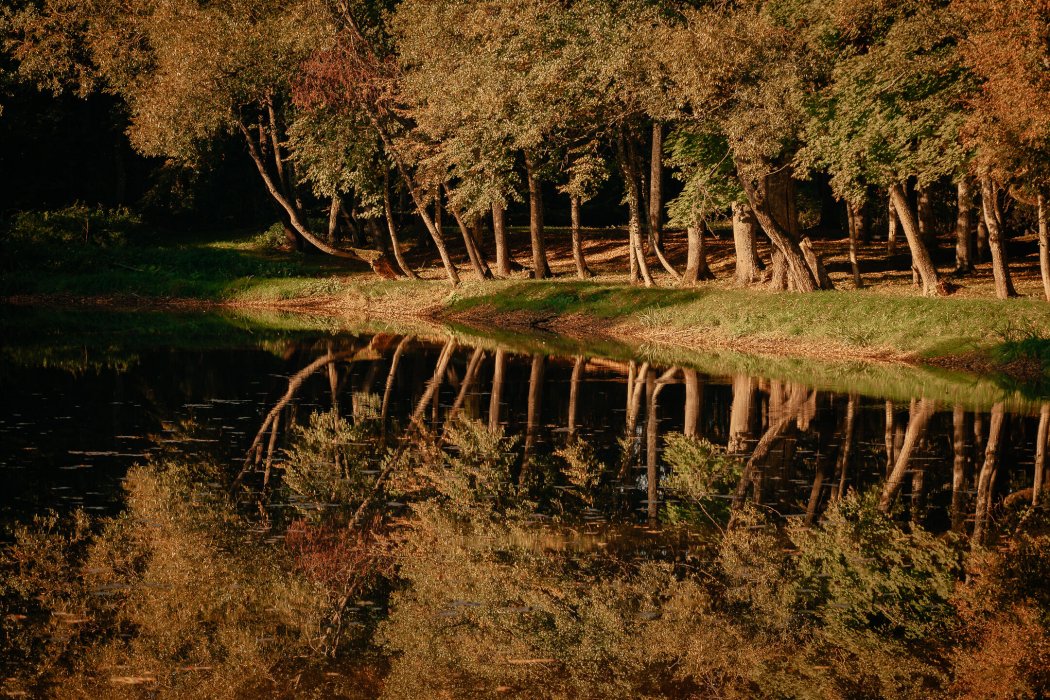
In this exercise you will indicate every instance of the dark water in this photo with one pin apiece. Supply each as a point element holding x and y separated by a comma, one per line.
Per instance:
<point>70,429</point>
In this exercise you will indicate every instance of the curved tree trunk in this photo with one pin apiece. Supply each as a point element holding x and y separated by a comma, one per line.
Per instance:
<point>477,260</point>
<point>388,210</point>
<point>745,243</point>
<point>582,271</point>
<point>918,417</point>
<point>964,243</point>
<point>540,268</point>
<point>1044,245</point>
<point>931,284</point>
<point>1004,286</point>
<point>802,277</point>
<point>986,479</point>
<point>499,234</point>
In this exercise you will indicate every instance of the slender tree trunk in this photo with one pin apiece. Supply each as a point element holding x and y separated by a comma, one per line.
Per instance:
<point>931,285</point>
<point>986,479</point>
<point>582,271</point>
<point>540,268</point>
<point>846,450</point>
<point>1004,286</point>
<point>888,437</point>
<point>434,384</point>
<point>656,176</point>
<point>499,369</point>
<point>635,213</point>
<point>745,243</point>
<point>477,260</point>
<point>855,212</point>
<point>533,411</point>
<point>918,417</point>
<point>333,220</point>
<point>391,377</point>
<point>499,232</point>
<point>651,474</point>
<point>924,208</point>
<point>391,225</point>
<point>1044,245</point>
<point>964,251</point>
<point>476,359</point>
<point>891,234</point>
<point>803,278</point>
<point>958,508</point>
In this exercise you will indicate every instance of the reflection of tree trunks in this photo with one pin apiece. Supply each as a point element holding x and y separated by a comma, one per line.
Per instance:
<point>958,508</point>
<point>693,397</point>
<point>986,479</point>
<point>814,493</point>
<point>391,377</point>
<point>435,381</point>
<point>532,418</point>
<point>1041,437</point>
<point>476,358</point>
<point>574,393</point>
<point>635,385</point>
<point>652,476</point>
<point>333,382</point>
<point>780,417</point>
<point>740,413</point>
<point>270,449</point>
<point>890,456</point>
<point>918,416</point>
<point>294,383</point>
<point>499,369</point>
<point>846,450</point>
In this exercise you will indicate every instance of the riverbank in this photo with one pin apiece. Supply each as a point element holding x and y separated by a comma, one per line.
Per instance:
<point>880,324</point>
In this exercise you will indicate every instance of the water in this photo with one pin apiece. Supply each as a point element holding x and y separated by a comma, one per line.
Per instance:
<point>586,495</point>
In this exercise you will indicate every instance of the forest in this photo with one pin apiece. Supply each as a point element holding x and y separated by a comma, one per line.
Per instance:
<point>896,136</point>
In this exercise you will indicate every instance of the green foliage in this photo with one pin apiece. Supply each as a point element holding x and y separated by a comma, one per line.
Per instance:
<point>701,474</point>
<point>74,226</point>
<point>704,163</point>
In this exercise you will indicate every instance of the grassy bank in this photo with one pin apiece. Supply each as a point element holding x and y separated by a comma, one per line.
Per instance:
<point>976,333</point>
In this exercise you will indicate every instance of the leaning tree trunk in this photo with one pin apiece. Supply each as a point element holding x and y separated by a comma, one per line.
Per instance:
<point>964,243</point>
<point>378,262</point>
<point>931,284</point>
<point>1044,245</point>
<point>986,478</point>
<point>477,260</point>
<point>855,213</point>
<point>388,209</point>
<point>802,277</point>
<point>499,234</point>
<point>1004,286</point>
<point>745,243</point>
<point>696,267</point>
<point>582,271</point>
<point>540,268</point>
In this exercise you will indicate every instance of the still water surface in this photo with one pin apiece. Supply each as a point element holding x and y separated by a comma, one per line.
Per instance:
<point>340,514</point>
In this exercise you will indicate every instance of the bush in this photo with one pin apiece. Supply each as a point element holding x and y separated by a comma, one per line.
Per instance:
<point>76,224</point>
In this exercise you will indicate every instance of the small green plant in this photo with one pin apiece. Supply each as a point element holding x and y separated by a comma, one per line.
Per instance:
<point>76,224</point>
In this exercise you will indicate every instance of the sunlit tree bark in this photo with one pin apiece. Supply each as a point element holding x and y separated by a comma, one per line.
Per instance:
<point>986,478</point>
<point>918,417</point>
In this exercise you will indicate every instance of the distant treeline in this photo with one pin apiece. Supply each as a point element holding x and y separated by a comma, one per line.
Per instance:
<point>924,116</point>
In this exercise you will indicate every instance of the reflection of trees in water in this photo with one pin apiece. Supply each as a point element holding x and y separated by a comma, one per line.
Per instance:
<point>429,527</point>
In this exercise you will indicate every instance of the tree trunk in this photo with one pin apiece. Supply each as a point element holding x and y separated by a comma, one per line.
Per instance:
<point>652,476</point>
<point>745,243</point>
<point>741,414</point>
<point>924,207</point>
<point>582,271</point>
<point>574,393</point>
<point>374,258</point>
<point>931,285</point>
<point>434,384</point>
<point>656,176</point>
<point>846,450</point>
<point>696,267</point>
<point>395,244</point>
<point>499,233</point>
<point>964,251</point>
<point>1044,245</point>
<point>540,268</point>
<point>1041,437</point>
<point>477,260</point>
<point>693,399</point>
<point>533,411</point>
<point>1004,286</point>
<point>333,220</point>
<point>982,241</point>
<point>855,212</point>
<point>802,277</point>
<point>986,479</point>
<point>891,234</point>
<point>634,227</point>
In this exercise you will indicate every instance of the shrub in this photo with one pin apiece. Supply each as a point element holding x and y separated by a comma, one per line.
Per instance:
<point>76,224</point>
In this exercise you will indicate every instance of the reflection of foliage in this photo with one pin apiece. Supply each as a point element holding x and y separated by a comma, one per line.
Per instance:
<point>176,595</point>
<point>327,459</point>
<point>700,471</point>
<point>582,468</point>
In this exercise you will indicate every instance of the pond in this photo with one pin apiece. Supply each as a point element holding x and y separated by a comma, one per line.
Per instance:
<point>197,507</point>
